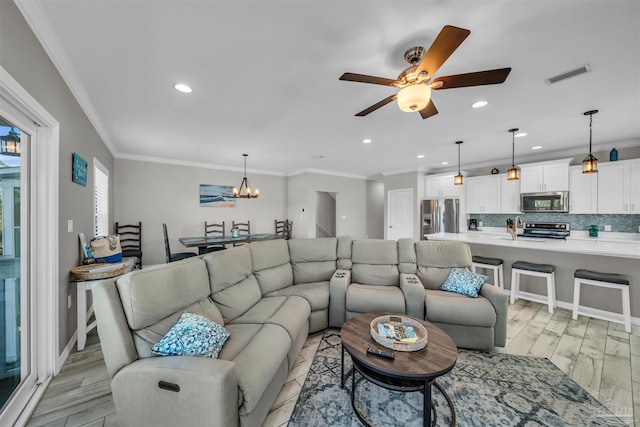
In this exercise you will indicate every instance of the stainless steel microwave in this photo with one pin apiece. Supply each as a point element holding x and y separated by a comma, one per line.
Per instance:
<point>552,201</point>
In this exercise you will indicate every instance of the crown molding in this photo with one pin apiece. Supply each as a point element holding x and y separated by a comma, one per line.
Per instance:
<point>326,172</point>
<point>162,160</point>
<point>39,24</point>
<point>398,172</point>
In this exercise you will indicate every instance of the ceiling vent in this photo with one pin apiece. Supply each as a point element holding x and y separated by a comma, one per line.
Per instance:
<point>580,70</point>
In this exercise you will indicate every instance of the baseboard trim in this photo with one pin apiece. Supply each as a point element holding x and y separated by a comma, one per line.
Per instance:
<point>65,353</point>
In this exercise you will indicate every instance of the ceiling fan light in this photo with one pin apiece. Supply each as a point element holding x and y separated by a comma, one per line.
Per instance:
<point>414,97</point>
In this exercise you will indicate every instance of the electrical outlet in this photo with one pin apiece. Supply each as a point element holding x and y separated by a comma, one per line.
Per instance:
<point>70,226</point>
<point>607,227</point>
<point>68,301</point>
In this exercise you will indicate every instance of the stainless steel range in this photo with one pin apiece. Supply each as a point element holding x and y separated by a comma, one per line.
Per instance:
<point>546,230</point>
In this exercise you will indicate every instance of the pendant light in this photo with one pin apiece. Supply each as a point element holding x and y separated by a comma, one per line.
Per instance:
<point>513,174</point>
<point>457,180</point>
<point>248,194</point>
<point>590,163</point>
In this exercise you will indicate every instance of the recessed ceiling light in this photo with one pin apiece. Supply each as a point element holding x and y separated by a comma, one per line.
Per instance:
<point>366,141</point>
<point>421,156</point>
<point>444,163</point>
<point>519,134</point>
<point>181,87</point>
<point>536,147</point>
<point>479,104</point>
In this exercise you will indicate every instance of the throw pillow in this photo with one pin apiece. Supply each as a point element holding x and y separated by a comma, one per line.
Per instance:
<point>464,282</point>
<point>192,335</point>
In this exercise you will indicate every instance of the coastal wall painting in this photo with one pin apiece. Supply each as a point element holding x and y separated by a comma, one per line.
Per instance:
<point>79,170</point>
<point>216,196</point>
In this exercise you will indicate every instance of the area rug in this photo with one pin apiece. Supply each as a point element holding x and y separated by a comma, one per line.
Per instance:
<point>488,389</point>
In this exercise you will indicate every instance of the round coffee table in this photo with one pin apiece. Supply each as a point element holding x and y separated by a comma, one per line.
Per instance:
<point>409,371</point>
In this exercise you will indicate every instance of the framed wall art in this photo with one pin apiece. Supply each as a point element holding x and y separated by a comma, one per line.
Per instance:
<point>216,196</point>
<point>79,170</point>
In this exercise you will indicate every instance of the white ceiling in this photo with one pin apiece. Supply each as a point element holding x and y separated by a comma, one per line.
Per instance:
<point>265,79</point>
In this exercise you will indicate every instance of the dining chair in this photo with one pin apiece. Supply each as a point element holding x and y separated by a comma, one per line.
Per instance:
<point>169,257</point>
<point>214,230</point>
<point>244,229</point>
<point>131,241</point>
<point>283,228</point>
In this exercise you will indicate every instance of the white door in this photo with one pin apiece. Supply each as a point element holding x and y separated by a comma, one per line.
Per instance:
<point>399,214</point>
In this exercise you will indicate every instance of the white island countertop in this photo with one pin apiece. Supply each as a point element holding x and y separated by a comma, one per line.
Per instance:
<point>623,248</point>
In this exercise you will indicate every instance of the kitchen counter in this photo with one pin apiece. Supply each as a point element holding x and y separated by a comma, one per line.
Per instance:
<point>608,246</point>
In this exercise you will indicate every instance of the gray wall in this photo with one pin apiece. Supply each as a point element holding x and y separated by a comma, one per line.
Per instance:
<point>351,203</point>
<point>156,192</point>
<point>24,58</point>
<point>413,180</point>
<point>375,210</point>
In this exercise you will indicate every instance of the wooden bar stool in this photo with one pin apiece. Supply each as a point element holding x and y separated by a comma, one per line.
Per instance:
<point>547,271</point>
<point>495,264</point>
<point>604,280</point>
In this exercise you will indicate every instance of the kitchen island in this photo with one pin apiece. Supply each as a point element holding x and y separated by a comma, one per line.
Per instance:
<point>606,254</point>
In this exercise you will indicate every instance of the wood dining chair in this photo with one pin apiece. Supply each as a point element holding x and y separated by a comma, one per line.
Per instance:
<point>214,230</point>
<point>169,257</point>
<point>131,241</point>
<point>283,228</point>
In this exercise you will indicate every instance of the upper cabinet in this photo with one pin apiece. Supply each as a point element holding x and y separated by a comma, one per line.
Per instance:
<point>583,191</point>
<point>510,195</point>
<point>441,186</point>
<point>483,194</point>
<point>545,176</point>
<point>619,187</point>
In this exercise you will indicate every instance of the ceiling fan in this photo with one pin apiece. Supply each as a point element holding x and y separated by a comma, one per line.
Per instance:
<point>416,82</point>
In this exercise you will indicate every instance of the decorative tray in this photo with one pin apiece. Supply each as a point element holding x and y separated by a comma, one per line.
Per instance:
<point>414,332</point>
<point>98,271</point>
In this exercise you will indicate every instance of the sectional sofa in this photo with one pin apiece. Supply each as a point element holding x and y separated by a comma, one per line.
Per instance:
<point>270,296</point>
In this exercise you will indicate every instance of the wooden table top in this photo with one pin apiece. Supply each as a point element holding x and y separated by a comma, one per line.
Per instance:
<point>437,358</point>
<point>191,242</point>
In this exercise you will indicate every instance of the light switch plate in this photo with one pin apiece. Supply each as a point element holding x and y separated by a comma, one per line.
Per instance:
<point>70,226</point>
<point>607,227</point>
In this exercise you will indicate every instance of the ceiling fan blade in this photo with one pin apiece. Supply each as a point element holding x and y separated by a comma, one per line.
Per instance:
<point>374,107</point>
<point>479,78</point>
<point>362,78</point>
<point>429,110</point>
<point>444,45</point>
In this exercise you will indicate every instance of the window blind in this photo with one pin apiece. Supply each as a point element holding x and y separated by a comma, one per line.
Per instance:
<point>101,199</point>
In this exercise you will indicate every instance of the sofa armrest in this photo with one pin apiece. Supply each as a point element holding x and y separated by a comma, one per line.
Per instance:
<point>207,391</point>
<point>338,297</point>
<point>499,301</point>
<point>413,292</point>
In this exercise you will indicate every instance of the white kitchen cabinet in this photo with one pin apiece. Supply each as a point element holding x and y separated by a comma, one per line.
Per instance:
<point>619,187</point>
<point>441,186</point>
<point>510,202</point>
<point>583,191</point>
<point>545,176</point>
<point>483,194</point>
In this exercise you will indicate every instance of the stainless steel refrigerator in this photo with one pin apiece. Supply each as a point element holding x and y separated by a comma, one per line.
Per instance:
<point>440,216</point>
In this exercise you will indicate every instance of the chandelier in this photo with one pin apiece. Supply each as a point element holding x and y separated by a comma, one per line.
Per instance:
<point>247,193</point>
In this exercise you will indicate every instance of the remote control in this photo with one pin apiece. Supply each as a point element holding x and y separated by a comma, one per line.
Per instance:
<point>380,353</point>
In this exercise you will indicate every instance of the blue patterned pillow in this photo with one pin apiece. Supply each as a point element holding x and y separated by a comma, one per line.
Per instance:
<point>192,335</point>
<point>464,282</point>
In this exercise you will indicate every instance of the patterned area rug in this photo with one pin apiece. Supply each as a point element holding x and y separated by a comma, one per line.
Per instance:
<point>487,389</point>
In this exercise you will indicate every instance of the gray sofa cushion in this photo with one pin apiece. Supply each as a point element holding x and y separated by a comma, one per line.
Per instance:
<point>313,260</point>
<point>233,287</point>
<point>289,313</point>
<point>435,260</point>
<point>316,293</point>
<point>453,308</point>
<point>150,295</point>
<point>407,262</point>
<point>344,252</point>
<point>366,299</point>
<point>375,262</point>
<point>271,265</point>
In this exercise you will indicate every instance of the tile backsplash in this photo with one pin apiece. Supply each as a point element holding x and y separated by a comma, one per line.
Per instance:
<point>619,223</point>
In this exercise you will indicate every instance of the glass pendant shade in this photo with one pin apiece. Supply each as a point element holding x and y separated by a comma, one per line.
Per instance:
<point>590,163</point>
<point>414,97</point>
<point>513,174</point>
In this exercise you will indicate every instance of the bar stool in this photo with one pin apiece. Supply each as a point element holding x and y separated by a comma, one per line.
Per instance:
<point>547,271</point>
<point>495,264</point>
<point>604,280</point>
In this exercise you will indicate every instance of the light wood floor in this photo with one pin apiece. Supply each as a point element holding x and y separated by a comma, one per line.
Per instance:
<point>597,354</point>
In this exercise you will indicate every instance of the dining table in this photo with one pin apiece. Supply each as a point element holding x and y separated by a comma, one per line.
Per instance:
<point>203,242</point>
